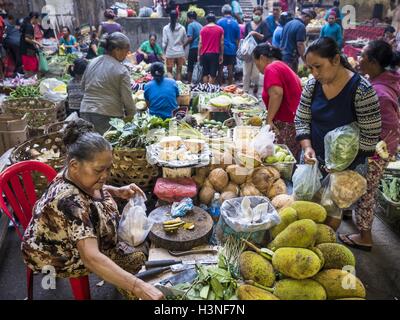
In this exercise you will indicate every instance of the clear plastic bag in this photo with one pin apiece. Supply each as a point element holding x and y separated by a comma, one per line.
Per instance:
<point>134,225</point>
<point>263,142</point>
<point>341,147</point>
<point>324,197</point>
<point>53,90</point>
<point>306,181</point>
<point>246,48</point>
<point>197,73</point>
<point>347,188</point>
<point>236,214</point>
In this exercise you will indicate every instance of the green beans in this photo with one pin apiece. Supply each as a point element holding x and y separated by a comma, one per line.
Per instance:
<point>25,92</point>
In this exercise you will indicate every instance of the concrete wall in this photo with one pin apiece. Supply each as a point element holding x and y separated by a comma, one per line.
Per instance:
<point>138,29</point>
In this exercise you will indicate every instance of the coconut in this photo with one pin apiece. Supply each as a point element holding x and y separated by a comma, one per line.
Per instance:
<point>208,184</point>
<point>264,177</point>
<point>206,195</point>
<point>248,189</point>
<point>219,179</point>
<point>232,187</point>
<point>238,174</point>
<point>227,196</point>
<point>202,172</point>
<point>279,187</point>
<point>199,180</point>
<point>282,201</point>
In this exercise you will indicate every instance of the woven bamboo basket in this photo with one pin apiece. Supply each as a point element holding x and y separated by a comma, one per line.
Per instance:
<point>61,110</point>
<point>131,166</point>
<point>24,152</point>
<point>40,112</point>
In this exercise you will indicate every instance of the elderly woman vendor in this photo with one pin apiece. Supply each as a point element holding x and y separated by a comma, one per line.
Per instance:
<point>107,85</point>
<point>74,224</point>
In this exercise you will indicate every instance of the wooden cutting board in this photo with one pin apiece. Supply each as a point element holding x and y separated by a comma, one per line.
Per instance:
<point>182,239</point>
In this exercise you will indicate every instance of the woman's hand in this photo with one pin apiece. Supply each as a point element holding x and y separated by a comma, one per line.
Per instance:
<point>309,155</point>
<point>145,55</point>
<point>146,291</point>
<point>221,59</point>
<point>127,192</point>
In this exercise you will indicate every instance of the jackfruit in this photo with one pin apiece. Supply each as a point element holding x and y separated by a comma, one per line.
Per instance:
<point>340,284</point>
<point>299,234</point>
<point>336,256</point>
<point>255,267</point>
<point>320,255</point>
<point>307,289</point>
<point>296,263</point>
<point>325,234</point>
<point>288,216</point>
<point>310,210</point>
<point>247,292</point>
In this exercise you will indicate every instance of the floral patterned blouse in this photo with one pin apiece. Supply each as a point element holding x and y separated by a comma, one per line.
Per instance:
<point>64,215</point>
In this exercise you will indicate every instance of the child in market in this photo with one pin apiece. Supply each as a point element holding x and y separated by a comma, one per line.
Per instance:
<point>332,30</point>
<point>74,88</point>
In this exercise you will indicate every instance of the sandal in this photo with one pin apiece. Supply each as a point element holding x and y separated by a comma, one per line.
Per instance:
<point>353,244</point>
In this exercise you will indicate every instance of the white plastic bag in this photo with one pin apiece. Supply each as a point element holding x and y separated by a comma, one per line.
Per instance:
<point>197,73</point>
<point>134,225</point>
<point>263,142</point>
<point>246,48</point>
<point>53,90</point>
<point>306,181</point>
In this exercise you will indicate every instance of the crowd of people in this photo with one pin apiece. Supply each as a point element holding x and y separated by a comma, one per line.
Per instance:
<point>336,95</point>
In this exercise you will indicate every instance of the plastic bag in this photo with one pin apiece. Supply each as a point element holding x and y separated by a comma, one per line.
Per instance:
<point>53,90</point>
<point>246,48</point>
<point>242,214</point>
<point>306,181</point>
<point>43,65</point>
<point>134,225</point>
<point>341,147</point>
<point>197,73</point>
<point>175,190</point>
<point>263,142</point>
<point>324,197</point>
<point>347,188</point>
<point>179,209</point>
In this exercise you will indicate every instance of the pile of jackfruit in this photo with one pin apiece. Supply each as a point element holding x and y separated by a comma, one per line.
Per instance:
<point>302,262</point>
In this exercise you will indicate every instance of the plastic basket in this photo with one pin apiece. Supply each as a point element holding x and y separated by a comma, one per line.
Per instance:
<point>285,168</point>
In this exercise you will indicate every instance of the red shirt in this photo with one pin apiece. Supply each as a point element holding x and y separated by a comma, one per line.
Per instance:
<point>279,74</point>
<point>211,39</point>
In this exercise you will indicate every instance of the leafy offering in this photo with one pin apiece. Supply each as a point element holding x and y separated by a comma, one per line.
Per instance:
<point>142,131</point>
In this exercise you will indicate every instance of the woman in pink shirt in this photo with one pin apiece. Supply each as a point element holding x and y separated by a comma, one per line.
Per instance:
<point>379,62</point>
<point>211,49</point>
<point>281,94</point>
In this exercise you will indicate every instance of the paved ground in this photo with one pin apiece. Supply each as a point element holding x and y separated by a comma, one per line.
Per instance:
<point>379,270</point>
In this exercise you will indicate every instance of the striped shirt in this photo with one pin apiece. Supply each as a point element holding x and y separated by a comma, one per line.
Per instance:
<point>367,110</point>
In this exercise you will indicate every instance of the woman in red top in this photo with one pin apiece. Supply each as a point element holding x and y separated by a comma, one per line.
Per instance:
<point>281,94</point>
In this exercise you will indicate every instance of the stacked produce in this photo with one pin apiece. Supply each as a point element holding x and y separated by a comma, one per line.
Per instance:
<point>390,187</point>
<point>233,181</point>
<point>302,262</point>
<point>135,133</point>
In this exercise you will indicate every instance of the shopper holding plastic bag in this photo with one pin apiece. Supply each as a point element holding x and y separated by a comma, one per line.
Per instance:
<point>337,96</point>
<point>75,223</point>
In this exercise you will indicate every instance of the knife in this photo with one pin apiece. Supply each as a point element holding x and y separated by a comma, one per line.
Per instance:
<point>212,250</point>
<point>181,277</point>
<point>164,263</point>
<point>148,274</point>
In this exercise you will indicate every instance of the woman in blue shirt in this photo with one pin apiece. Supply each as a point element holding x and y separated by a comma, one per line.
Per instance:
<point>68,40</point>
<point>161,93</point>
<point>332,29</point>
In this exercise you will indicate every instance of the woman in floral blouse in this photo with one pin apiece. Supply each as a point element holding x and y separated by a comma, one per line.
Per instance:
<point>74,224</point>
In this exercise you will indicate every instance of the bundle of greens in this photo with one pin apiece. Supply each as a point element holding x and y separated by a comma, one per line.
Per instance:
<point>390,186</point>
<point>341,147</point>
<point>25,92</point>
<point>142,131</point>
<point>212,283</point>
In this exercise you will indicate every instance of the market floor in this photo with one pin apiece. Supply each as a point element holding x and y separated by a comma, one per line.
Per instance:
<point>379,270</point>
